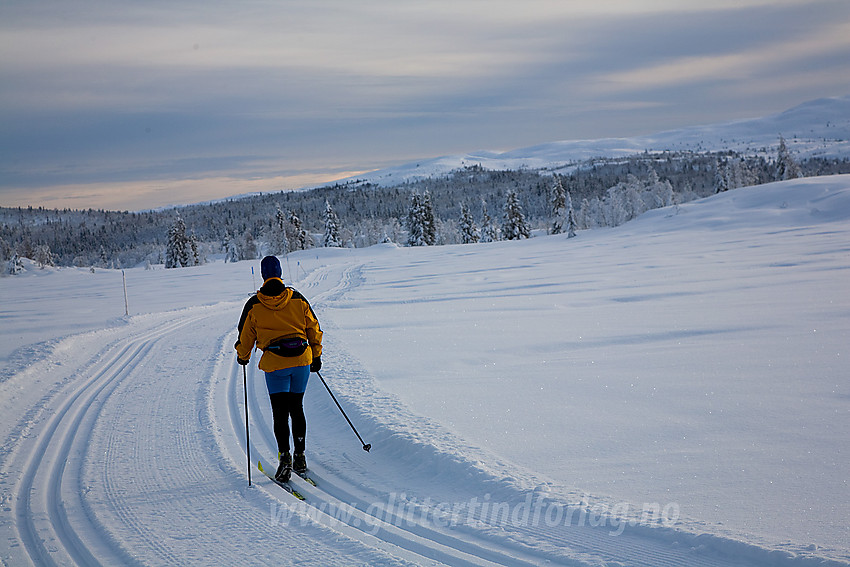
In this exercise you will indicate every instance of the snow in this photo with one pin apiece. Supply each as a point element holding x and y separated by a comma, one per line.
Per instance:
<point>817,128</point>
<point>669,392</point>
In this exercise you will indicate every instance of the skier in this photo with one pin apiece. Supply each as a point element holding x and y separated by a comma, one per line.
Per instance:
<point>282,324</point>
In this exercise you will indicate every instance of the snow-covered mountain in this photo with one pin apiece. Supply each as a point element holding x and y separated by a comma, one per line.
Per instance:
<point>816,128</point>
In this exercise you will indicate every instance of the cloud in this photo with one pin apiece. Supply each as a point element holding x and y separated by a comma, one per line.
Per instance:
<point>778,56</point>
<point>101,90</point>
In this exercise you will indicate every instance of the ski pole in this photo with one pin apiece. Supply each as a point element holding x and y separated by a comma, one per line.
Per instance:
<point>247,433</point>
<point>366,446</point>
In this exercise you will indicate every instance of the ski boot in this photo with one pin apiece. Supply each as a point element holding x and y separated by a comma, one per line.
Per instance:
<point>299,464</point>
<point>284,469</point>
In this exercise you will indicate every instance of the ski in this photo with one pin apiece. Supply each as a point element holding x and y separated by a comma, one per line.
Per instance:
<point>303,475</point>
<point>285,485</point>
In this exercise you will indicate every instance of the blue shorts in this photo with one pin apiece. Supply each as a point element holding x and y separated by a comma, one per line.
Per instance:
<point>288,380</point>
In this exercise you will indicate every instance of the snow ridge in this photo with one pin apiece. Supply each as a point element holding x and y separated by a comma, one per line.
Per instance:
<point>816,128</point>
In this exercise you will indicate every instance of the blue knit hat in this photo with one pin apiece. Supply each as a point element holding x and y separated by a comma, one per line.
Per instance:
<point>270,268</point>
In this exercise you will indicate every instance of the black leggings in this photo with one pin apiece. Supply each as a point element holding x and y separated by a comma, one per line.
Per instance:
<point>286,405</point>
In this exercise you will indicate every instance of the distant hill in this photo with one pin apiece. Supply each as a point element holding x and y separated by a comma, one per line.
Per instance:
<point>818,128</point>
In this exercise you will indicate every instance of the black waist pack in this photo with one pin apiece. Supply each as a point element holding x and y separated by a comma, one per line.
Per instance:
<point>288,346</point>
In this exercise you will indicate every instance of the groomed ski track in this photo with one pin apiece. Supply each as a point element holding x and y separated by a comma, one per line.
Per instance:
<point>130,450</point>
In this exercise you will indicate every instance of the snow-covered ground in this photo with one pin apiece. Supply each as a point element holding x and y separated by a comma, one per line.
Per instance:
<point>670,392</point>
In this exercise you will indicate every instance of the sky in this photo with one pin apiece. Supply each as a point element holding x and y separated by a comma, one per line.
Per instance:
<point>129,105</point>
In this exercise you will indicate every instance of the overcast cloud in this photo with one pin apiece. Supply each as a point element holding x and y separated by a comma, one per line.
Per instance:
<point>120,104</point>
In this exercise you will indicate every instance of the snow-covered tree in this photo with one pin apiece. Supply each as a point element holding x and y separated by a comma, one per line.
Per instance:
<point>786,166</point>
<point>247,246</point>
<point>614,210</point>
<point>571,217</point>
<point>514,226</point>
<point>177,249</point>
<point>429,223</point>
<point>631,195</point>
<point>278,243</point>
<point>195,253</point>
<point>104,259</point>
<point>231,250</point>
<point>15,265</point>
<point>657,193</point>
<point>414,222</point>
<point>421,226</point>
<point>721,176</point>
<point>489,230</point>
<point>583,219</point>
<point>559,206</point>
<point>627,200</point>
<point>595,213</point>
<point>43,255</point>
<point>331,239</point>
<point>296,234</point>
<point>732,173</point>
<point>469,231</point>
<point>181,249</point>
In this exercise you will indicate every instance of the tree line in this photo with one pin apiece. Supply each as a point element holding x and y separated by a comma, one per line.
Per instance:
<point>471,204</point>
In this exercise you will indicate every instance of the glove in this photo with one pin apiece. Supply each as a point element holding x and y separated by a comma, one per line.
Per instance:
<point>242,361</point>
<point>316,365</point>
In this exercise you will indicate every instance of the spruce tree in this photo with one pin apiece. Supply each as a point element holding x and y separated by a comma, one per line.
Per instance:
<point>429,223</point>
<point>297,236</point>
<point>571,217</point>
<point>331,227</point>
<point>177,248</point>
<point>195,256</point>
<point>721,176</point>
<point>230,248</point>
<point>489,231</point>
<point>786,166</point>
<point>559,206</point>
<point>514,227</point>
<point>469,232</point>
<point>278,243</point>
<point>415,223</point>
<point>421,224</point>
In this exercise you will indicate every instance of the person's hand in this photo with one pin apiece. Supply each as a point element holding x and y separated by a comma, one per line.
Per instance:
<point>242,361</point>
<point>316,365</point>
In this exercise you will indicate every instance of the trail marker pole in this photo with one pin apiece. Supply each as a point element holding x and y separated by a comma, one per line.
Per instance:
<point>126,304</point>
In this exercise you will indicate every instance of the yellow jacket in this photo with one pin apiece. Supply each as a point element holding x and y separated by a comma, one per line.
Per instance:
<point>275,312</point>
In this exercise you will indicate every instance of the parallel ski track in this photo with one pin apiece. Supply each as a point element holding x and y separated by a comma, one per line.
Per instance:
<point>341,501</point>
<point>59,452</point>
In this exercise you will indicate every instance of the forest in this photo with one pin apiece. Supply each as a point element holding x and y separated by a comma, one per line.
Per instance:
<point>469,205</point>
